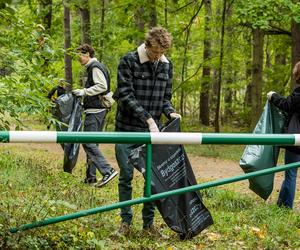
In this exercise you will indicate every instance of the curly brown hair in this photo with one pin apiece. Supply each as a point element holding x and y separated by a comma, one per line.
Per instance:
<point>158,36</point>
<point>86,48</point>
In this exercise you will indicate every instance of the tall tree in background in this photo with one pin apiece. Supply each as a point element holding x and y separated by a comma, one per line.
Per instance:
<point>219,81</point>
<point>102,25</point>
<point>44,31</point>
<point>152,14</point>
<point>85,22</point>
<point>257,79</point>
<point>206,79</point>
<point>139,23</point>
<point>45,9</point>
<point>67,44</point>
<point>166,14</point>
<point>229,76</point>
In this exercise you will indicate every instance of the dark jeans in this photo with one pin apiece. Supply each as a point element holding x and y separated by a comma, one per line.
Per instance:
<point>287,191</point>
<point>125,187</point>
<point>95,159</point>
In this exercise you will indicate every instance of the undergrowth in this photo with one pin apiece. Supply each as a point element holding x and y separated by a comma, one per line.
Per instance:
<point>33,187</point>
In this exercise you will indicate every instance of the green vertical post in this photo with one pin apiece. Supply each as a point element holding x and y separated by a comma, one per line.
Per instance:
<point>147,192</point>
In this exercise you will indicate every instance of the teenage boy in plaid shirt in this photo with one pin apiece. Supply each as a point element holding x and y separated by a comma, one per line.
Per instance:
<point>144,93</point>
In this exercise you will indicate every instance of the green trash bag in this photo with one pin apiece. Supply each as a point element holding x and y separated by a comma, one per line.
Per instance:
<point>259,157</point>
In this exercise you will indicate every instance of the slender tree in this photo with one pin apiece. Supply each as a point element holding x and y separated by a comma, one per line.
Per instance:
<point>152,14</point>
<point>85,22</point>
<point>166,13</point>
<point>102,25</point>
<point>45,9</point>
<point>228,78</point>
<point>219,81</point>
<point>67,45</point>
<point>257,78</point>
<point>139,23</point>
<point>206,80</point>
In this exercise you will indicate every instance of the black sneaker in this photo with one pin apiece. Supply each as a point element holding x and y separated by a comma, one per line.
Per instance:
<point>106,178</point>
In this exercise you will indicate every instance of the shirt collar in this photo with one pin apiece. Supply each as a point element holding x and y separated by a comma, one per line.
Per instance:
<point>144,57</point>
<point>90,62</point>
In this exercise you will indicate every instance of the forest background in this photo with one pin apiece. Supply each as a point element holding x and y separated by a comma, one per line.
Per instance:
<point>227,54</point>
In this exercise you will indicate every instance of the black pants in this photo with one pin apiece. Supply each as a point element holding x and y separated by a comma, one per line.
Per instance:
<point>94,122</point>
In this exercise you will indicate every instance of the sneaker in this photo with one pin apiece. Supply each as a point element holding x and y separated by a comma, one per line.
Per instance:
<point>153,232</point>
<point>106,178</point>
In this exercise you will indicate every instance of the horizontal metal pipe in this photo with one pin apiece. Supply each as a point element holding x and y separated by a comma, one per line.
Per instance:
<point>153,138</point>
<point>153,197</point>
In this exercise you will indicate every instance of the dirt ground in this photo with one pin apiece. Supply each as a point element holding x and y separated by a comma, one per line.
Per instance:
<point>205,168</point>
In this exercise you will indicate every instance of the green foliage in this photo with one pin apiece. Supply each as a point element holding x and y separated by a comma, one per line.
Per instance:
<point>26,57</point>
<point>32,58</point>
<point>264,14</point>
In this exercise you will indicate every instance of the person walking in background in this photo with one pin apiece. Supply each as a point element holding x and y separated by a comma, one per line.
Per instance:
<point>290,105</point>
<point>144,93</point>
<point>97,83</point>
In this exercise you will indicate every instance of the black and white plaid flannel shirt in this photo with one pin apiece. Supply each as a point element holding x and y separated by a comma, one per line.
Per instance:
<point>144,91</point>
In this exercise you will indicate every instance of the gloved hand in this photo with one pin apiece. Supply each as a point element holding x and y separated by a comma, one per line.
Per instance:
<point>79,92</point>
<point>175,115</point>
<point>152,125</point>
<point>269,95</point>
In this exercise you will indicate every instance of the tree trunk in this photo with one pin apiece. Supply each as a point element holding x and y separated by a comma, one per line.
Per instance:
<point>67,45</point>
<point>280,63</point>
<point>228,77</point>
<point>102,25</point>
<point>206,79</point>
<point>166,14</point>
<point>140,24</point>
<point>295,47</point>
<point>153,14</point>
<point>46,13</point>
<point>248,74</point>
<point>85,23</point>
<point>268,53</point>
<point>219,82</point>
<point>257,67</point>
<point>183,71</point>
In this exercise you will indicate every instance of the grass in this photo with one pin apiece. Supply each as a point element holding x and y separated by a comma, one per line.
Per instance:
<point>32,187</point>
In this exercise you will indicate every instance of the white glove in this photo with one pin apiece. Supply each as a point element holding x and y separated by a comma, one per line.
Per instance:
<point>152,125</point>
<point>269,95</point>
<point>175,115</point>
<point>78,92</point>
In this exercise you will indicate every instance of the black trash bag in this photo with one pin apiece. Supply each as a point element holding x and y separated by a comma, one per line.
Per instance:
<point>259,157</point>
<point>69,111</point>
<point>71,150</point>
<point>185,214</point>
<point>63,110</point>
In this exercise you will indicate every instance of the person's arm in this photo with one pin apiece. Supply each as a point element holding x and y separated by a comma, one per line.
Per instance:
<point>126,91</point>
<point>100,83</point>
<point>287,104</point>
<point>167,106</point>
